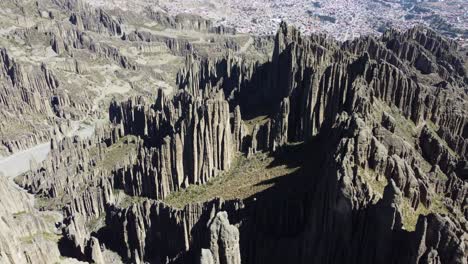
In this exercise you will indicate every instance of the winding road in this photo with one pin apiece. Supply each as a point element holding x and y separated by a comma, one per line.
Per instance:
<point>20,162</point>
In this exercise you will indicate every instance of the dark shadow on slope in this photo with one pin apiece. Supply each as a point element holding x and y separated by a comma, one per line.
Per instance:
<point>68,249</point>
<point>293,221</point>
<point>305,218</point>
<point>308,157</point>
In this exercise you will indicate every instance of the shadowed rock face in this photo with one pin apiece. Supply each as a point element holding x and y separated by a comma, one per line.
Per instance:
<point>370,133</point>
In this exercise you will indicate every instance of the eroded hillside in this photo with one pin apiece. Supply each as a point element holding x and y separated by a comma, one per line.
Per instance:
<point>209,146</point>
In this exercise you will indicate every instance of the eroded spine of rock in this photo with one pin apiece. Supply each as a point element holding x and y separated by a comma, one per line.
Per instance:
<point>191,141</point>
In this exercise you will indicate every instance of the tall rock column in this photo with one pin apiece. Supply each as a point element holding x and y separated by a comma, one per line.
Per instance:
<point>224,242</point>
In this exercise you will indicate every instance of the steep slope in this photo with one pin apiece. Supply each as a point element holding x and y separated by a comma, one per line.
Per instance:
<point>62,63</point>
<point>350,152</point>
<point>372,158</point>
<point>65,60</point>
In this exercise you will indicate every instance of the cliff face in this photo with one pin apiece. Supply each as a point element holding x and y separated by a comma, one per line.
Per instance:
<point>64,60</point>
<point>27,236</point>
<point>191,142</point>
<point>23,91</point>
<point>61,63</point>
<point>383,123</point>
<point>374,129</point>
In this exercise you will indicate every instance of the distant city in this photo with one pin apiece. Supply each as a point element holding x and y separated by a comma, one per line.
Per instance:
<point>341,19</point>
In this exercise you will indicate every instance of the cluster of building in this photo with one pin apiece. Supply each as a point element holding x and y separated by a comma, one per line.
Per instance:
<point>340,19</point>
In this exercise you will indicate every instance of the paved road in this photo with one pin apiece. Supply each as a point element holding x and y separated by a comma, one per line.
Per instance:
<point>20,162</point>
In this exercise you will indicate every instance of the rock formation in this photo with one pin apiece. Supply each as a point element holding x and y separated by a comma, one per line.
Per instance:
<point>367,142</point>
<point>224,242</point>
<point>191,142</point>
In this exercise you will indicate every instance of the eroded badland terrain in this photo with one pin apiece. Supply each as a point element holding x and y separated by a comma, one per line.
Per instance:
<point>140,137</point>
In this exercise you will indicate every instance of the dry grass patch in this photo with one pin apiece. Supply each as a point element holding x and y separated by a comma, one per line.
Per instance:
<point>260,120</point>
<point>96,223</point>
<point>405,128</point>
<point>124,200</point>
<point>375,182</point>
<point>246,177</point>
<point>117,152</point>
<point>410,215</point>
<point>434,128</point>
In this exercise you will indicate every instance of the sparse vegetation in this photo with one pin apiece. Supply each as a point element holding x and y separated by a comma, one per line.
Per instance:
<point>441,175</point>
<point>405,127</point>
<point>410,215</point>
<point>124,200</point>
<point>71,69</point>
<point>433,128</point>
<point>45,235</point>
<point>117,152</point>
<point>53,204</point>
<point>27,126</point>
<point>95,223</point>
<point>20,213</point>
<point>241,181</point>
<point>260,120</point>
<point>376,182</point>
